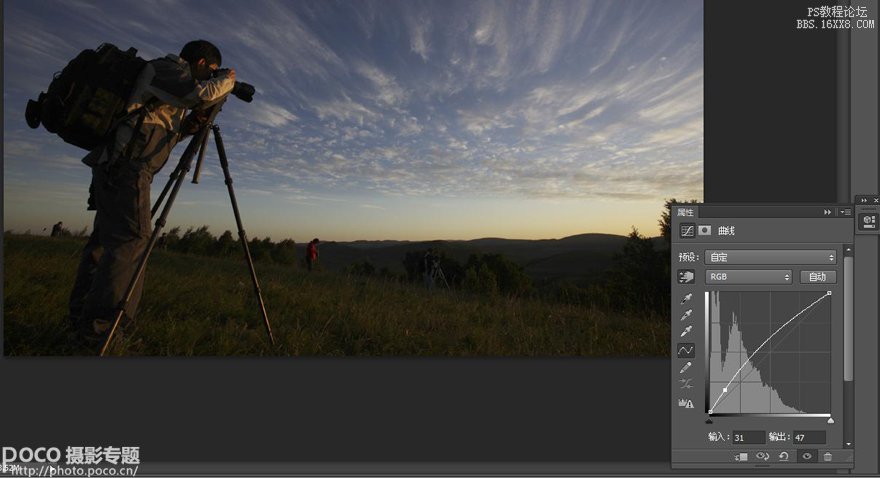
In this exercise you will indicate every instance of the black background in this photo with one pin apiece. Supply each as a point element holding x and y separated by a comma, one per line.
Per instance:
<point>769,110</point>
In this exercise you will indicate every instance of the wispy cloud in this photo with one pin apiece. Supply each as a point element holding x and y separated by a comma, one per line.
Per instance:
<point>419,26</point>
<point>271,115</point>
<point>387,91</point>
<point>344,109</point>
<point>544,99</point>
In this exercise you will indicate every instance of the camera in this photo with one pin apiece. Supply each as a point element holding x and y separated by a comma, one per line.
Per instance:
<point>241,90</point>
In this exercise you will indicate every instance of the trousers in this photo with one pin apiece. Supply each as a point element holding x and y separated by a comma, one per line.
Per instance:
<point>121,231</point>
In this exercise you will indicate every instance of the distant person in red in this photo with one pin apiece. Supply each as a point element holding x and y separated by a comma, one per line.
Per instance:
<point>312,253</point>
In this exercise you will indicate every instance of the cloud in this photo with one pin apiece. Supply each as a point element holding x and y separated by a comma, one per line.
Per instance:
<point>419,27</point>
<point>345,109</point>
<point>289,44</point>
<point>274,116</point>
<point>482,121</point>
<point>687,133</point>
<point>387,90</point>
<point>22,148</point>
<point>554,31</point>
<point>409,126</point>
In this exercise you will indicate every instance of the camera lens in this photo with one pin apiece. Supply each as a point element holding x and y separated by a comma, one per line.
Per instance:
<point>244,91</point>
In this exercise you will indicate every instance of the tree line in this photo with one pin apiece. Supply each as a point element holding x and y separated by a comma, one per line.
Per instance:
<point>637,281</point>
<point>200,241</point>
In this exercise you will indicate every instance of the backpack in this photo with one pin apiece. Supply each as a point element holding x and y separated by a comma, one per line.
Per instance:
<point>87,99</point>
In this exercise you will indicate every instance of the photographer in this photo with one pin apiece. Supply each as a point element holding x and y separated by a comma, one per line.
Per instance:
<point>429,265</point>
<point>57,229</point>
<point>123,170</point>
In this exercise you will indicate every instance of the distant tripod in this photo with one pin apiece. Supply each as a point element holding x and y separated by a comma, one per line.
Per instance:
<point>437,273</point>
<point>197,144</point>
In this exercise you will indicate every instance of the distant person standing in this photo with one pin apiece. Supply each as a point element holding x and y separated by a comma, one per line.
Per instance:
<point>162,243</point>
<point>429,263</point>
<point>57,228</point>
<point>312,253</point>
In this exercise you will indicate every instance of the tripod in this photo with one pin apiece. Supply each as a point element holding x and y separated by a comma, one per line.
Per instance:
<point>197,144</point>
<point>437,273</point>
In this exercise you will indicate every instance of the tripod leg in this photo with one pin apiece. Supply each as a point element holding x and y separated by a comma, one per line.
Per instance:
<point>443,276</point>
<point>198,170</point>
<point>185,162</point>
<point>221,152</point>
<point>171,179</point>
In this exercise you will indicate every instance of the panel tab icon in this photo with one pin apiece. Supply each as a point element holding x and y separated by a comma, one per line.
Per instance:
<point>687,230</point>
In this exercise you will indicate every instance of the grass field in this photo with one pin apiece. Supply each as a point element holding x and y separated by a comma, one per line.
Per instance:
<point>199,306</point>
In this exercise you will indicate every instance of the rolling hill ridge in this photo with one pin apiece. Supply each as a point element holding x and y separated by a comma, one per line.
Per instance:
<point>581,258</point>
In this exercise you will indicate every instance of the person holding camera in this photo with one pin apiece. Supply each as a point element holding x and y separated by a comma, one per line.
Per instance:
<point>123,170</point>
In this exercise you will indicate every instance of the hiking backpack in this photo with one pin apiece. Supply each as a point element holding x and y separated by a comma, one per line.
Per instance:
<point>86,100</point>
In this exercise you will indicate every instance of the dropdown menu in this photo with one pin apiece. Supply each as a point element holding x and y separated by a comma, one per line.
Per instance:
<point>770,257</point>
<point>749,276</point>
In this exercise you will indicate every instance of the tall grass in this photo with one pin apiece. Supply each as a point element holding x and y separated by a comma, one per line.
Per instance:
<point>203,306</point>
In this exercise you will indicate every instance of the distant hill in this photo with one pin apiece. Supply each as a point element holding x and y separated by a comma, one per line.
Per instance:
<point>581,258</point>
<point>373,244</point>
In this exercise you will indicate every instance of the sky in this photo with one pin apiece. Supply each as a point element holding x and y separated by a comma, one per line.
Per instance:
<point>404,120</point>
